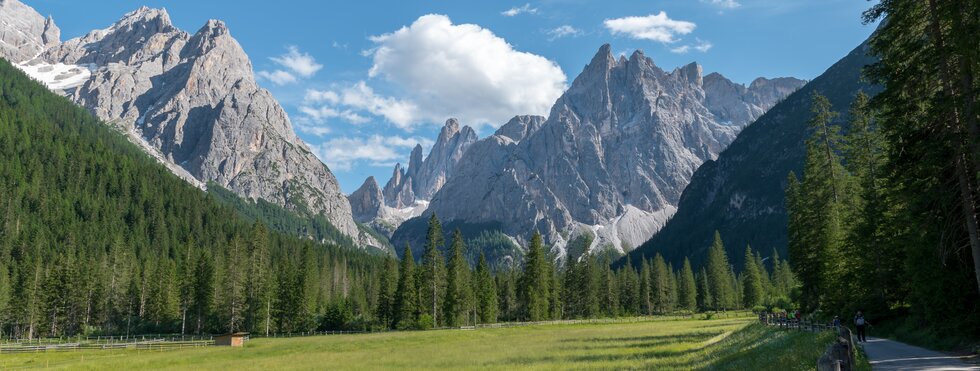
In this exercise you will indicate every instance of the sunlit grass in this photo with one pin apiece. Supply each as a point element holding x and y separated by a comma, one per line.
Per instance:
<point>650,344</point>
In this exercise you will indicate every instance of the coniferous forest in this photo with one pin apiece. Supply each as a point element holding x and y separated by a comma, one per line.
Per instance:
<point>884,217</point>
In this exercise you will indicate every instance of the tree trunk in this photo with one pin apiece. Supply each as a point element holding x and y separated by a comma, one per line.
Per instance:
<point>963,168</point>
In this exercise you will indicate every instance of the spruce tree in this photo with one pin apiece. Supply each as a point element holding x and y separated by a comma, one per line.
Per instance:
<point>387,293</point>
<point>752,289</point>
<point>488,305</point>
<point>704,291</point>
<point>433,267</point>
<point>457,283</point>
<point>534,290</point>
<point>406,305</point>
<point>659,284</point>
<point>687,288</point>
<point>719,276</point>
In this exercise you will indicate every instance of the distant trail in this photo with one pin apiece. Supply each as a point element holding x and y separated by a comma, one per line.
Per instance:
<point>889,355</point>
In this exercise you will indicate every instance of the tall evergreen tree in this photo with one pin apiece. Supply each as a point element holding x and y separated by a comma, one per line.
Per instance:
<point>487,307</point>
<point>387,294</point>
<point>752,289</point>
<point>406,296</point>
<point>458,294</point>
<point>534,290</point>
<point>719,276</point>
<point>687,288</point>
<point>433,269</point>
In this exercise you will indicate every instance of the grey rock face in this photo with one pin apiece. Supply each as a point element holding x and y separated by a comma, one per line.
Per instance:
<point>194,100</point>
<point>442,159</point>
<point>615,153</point>
<point>367,201</point>
<point>23,32</point>
<point>424,178</point>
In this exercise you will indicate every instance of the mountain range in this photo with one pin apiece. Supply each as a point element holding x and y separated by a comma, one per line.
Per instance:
<point>609,162</point>
<point>608,165</point>
<point>189,100</point>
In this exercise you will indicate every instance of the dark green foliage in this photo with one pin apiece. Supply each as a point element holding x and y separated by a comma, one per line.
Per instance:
<point>97,237</point>
<point>459,294</point>
<point>534,290</point>
<point>406,308</point>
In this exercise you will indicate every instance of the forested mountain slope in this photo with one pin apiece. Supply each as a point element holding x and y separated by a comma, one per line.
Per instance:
<point>741,194</point>
<point>97,237</point>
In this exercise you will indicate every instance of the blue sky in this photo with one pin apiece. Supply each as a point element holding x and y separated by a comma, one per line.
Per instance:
<point>364,81</point>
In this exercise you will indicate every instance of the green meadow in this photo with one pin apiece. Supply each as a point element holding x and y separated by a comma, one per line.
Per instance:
<point>675,344</point>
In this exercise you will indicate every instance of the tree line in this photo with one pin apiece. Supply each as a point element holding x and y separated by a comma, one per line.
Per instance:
<point>447,291</point>
<point>884,216</point>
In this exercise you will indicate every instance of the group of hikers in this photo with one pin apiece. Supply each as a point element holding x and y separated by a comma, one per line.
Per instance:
<point>861,324</point>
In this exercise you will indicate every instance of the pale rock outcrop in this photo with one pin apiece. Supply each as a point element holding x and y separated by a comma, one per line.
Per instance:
<point>613,156</point>
<point>192,101</point>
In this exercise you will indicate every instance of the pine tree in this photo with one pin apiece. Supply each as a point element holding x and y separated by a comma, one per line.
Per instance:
<point>704,290</point>
<point>752,291</point>
<point>659,284</point>
<point>687,288</point>
<point>433,268</point>
<point>534,291</point>
<point>487,299</point>
<point>719,276</point>
<point>406,305</point>
<point>457,302</point>
<point>387,293</point>
<point>203,291</point>
<point>629,289</point>
<point>646,287</point>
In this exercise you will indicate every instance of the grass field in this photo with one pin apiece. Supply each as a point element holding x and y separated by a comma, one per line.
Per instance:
<point>733,344</point>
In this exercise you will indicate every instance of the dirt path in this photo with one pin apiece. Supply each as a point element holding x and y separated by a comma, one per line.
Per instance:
<point>887,354</point>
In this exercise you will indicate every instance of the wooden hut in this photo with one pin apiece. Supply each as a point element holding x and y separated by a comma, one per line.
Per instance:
<point>234,339</point>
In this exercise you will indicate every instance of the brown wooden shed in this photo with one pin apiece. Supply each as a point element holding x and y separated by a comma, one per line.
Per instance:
<point>234,339</point>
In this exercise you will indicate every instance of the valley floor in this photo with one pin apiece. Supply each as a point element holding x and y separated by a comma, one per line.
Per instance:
<point>663,344</point>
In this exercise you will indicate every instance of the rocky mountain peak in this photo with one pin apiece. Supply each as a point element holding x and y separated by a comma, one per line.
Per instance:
<point>449,129</point>
<point>367,201</point>
<point>520,127</point>
<point>611,160</point>
<point>692,73</point>
<point>190,101</point>
<point>52,34</point>
<point>24,33</point>
<point>603,59</point>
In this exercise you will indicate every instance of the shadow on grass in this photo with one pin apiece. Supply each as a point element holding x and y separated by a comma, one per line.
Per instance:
<point>751,347</point>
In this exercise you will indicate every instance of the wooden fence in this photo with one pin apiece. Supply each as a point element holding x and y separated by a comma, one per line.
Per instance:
<point>839,356</point>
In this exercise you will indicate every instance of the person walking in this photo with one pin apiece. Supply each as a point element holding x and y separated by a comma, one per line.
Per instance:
<point>861,324</point>
<point>837,324</point>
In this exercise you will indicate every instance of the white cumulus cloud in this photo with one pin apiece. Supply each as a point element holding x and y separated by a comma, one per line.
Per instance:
<point>299,63</point>
<point>293,63</point>
<point>457,70</point>
<point>526,8</point>
<point>656,27</point>
<point>343,152</point>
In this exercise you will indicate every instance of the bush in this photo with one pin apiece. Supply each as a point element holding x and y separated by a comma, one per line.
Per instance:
<point>425,322</point>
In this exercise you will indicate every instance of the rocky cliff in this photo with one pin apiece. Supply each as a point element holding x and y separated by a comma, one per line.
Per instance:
<point>741,194</point>
<point>191,100</point>
<point>612,158</point>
